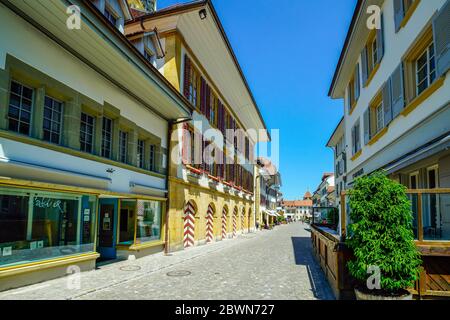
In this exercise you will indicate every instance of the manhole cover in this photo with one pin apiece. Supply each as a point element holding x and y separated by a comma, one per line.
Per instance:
<point>130,268</point>
<point>181,273</point>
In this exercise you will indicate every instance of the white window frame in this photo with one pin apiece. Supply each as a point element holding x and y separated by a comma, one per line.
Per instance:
<point>427,66</point>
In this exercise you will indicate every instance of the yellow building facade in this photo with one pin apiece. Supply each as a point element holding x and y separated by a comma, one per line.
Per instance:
<point>206,202</point>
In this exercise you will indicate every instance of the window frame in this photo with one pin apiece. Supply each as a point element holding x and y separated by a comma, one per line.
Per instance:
<point>427,65</point>
<point>51,119</point>
<point>123,146</point>
<point>140,157</point>
<point>30,124</point>
<point>110,141</point>
<point>86,133</point>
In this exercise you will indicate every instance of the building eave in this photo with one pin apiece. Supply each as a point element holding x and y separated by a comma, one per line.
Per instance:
<point>195,5</point>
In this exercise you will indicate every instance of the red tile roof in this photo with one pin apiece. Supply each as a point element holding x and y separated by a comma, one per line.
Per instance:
<point>297,203</point>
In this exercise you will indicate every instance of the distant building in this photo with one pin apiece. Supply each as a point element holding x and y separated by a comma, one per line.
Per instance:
<point>321,197</point>
<point>298,209</point>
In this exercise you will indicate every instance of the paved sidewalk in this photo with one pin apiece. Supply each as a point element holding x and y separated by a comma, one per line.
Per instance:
<point>275,264</point>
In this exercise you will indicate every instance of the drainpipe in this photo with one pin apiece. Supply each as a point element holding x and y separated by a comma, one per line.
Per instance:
<point>169,160</point>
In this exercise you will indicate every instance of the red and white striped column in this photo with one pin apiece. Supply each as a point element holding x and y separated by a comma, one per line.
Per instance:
<point>235,223</point>
<point>224,224</point>
<point>189,225</point>
<point>243,222</point>
<point>210,225</point>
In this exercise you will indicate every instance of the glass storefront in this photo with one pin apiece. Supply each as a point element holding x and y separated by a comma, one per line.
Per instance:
<point>37,226</point>
<point>148,225</point>
<point>139,221</point>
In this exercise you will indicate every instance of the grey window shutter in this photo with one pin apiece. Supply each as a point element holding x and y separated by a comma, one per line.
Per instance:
<point>358,135</point>
<point>364,66</point>
<point>349,99</point>
<point>353,141</point>
<point>441,34</point>
<point>357,82</point>
<point>397,90</point>
<point>380,40</point>
<point>398,14</point>
<point>387,103</point>
<point>367,126</point>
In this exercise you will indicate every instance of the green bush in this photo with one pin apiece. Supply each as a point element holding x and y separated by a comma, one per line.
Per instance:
<point>381,232</point>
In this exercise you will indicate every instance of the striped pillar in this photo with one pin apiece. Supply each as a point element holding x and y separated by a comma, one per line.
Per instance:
<point>243,222</point>
<point>224,224</point>
<point>234,223</point>
<point>189,225</point>
<point>209,225</point>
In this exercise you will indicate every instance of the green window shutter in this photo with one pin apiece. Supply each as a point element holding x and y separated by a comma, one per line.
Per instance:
<point>397,91</point>
<point>441,35</point>
<point>364,66</point>
<point>357,82</point>
<point>398,14</point>
<point>387,102</point>
<point>367,126</point>
<point>380,40</point>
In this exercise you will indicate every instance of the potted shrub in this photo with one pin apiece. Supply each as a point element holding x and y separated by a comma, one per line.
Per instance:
<point>381,237</point>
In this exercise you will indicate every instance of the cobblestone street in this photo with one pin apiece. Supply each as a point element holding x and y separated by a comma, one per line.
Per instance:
<point>275,264</point>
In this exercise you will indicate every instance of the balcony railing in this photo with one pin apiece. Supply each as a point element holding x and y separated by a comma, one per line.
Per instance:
<point>431,212</point>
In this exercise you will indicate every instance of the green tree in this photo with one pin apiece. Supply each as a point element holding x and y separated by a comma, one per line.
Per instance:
<point>381,232</point>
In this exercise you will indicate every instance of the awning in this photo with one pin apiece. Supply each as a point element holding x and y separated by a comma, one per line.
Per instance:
<point>271,213</point>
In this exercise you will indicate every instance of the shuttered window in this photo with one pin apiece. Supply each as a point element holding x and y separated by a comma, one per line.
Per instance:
<point>397,91</point>
<point>356,140</point>
<point>441,30</point>
<point>403,9</point>
<point>425,69</point>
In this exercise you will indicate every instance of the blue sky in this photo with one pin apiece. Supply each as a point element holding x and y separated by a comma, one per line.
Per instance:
<point>288,50</point>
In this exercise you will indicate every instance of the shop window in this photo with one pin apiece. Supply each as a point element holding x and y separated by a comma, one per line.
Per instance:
<point>123,146</point>
<point>87,133</point>
<point>20,105</point>
<point>37,226</point>
<point>149,215</point>
<point>52,120</point>
<point>141,154</point>
<point>107,137</point>
<point>127,222</point>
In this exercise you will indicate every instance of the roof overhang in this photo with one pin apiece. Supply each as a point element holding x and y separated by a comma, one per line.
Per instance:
<point>103,48</point>
<point>337,134</point>
<point>209,43</point>
<point>354,44</point>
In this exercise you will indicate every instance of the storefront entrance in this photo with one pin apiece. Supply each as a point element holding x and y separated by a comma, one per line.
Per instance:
<point>107,229</point>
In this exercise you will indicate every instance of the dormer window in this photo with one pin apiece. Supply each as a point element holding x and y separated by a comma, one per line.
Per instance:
<point>149,55</point>
<point>111,16</point>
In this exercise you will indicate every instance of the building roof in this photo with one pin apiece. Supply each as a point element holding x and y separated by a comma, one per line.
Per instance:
<point>326,175</point>
<point>346,45</point>
<point>337,134</point>
<point>185,8</point>
<point>307,195</point>
<point>330,189</point>
<point>297,203</point>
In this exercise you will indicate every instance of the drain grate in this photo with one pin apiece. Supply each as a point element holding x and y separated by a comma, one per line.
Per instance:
<point>130,268</point>
<point>180,273</point>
